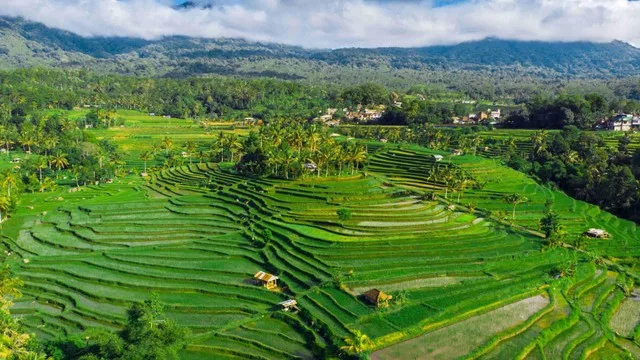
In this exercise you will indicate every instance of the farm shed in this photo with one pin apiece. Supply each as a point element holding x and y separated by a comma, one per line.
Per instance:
<point>438,158</point>
<point>265,279</point>
<point>377,297</point>
<point>289,305</point>
<point>597,234</point>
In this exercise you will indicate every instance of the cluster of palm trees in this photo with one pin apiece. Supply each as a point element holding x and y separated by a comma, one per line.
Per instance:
<point>296,150</point>
<point>453,179</point>
<point>425,135</point>
<point>9,186</point>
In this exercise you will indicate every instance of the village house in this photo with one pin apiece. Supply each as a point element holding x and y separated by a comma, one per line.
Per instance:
<point>620,122</point>
<point>635,123</point>
<point>377,298</point>
<point>495,115</point>
<point>267,280</point>
<point>438,158</point>
<point>365,114</point>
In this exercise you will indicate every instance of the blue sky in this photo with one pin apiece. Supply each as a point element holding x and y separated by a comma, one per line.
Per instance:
<point>344,23</point>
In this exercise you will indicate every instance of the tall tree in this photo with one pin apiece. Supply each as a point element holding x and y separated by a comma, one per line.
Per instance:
<point>515,200</point>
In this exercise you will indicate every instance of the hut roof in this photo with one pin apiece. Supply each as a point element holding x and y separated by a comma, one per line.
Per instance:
<point>376,296</point>
<point>288,303</point>
<point>263,276</point>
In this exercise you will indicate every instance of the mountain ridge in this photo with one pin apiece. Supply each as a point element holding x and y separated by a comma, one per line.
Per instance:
<point>27,44</point>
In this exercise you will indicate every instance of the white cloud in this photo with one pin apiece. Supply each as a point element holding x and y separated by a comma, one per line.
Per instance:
<point>343,23</point>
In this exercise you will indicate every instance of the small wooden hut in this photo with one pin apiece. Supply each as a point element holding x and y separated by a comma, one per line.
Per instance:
<point>377,297</point>
<point>265,279</point>
<point>597,234</point>
<point>289,305</point>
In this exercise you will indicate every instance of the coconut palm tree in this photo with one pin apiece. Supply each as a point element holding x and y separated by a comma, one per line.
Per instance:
<point>297,138</point>
<point>515,200</point>
<point>167,144</point>
<point>59,161</point>
<point>41,163</point>
<point>189,147</point>
<point>9,135</point>
<point>49,143</point>
<point>27,139</point>
<point>5,205</point>
<point>10,181</point>
<point>357,156</point>
<point>288,158</point>
<point>146,156</point>
<point>356,343</point>
<point>232,144</point>
<point>47,183</point>
<point>76,170</point>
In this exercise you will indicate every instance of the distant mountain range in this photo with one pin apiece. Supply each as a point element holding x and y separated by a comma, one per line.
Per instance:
<point>28,44</point>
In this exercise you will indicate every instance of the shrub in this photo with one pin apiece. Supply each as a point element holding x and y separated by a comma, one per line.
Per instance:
<point>344,214</point>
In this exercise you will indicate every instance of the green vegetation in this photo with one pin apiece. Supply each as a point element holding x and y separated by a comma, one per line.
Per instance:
<point>490,69</point>
<point>196,233</point>
<point>456,224</point>
<point>147,335</point>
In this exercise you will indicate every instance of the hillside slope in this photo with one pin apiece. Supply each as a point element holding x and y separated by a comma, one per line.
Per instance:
<point>26,44</point>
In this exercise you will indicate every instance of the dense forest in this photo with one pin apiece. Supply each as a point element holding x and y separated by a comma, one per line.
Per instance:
<point>491,69</point>
<point>23,91</point>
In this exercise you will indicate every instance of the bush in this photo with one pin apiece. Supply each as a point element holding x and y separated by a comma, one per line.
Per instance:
<point>344,214</point>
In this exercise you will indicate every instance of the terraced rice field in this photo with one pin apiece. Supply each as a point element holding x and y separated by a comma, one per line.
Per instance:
<point>195,235</point>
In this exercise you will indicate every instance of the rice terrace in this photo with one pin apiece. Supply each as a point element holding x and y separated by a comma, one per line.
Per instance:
<point>342,180</point>
<point>224,252</point>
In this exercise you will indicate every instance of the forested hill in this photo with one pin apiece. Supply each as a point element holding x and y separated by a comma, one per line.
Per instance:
<point>25,44</point>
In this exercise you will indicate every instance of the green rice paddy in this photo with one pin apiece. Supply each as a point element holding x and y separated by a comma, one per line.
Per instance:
<point>196,235</point>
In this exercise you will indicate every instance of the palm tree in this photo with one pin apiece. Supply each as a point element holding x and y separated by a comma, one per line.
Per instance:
<point>321,158</point>
<point>5,204</point>
<point>221,145</point>
<point>297,138</point>
<point>41,163</point>
<point>288,158</point>
<point>571,157</point>
<point>232,144</point>
<point>49,143</point>
<point>167,144</point>
<point>8,137</point>
<point>27,139</point>
<point>10,180</point>
<point>75,170</point>
<point>190,148</point>
<point>539,140</point>
<point>146,156</point>
<point>48,183</point>
<point>313,139</point>
<point>356,343</point>
<point>59,161</point>
<point>515,200</point>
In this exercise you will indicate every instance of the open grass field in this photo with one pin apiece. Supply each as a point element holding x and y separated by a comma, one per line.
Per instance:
<point>140,132</point>
<point>195,235</point>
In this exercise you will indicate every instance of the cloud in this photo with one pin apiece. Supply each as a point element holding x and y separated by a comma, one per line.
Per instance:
<point>344,23</point>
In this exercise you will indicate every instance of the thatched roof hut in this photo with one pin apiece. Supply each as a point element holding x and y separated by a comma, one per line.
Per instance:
<point>377,297</point>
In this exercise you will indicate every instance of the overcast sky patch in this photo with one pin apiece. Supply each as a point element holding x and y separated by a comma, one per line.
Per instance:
<point>343,23</point>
